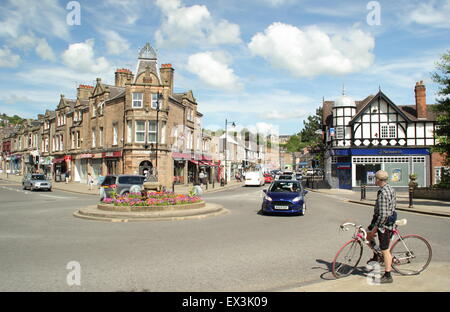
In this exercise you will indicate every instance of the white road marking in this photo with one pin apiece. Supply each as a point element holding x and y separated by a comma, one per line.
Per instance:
<point>28,193</point>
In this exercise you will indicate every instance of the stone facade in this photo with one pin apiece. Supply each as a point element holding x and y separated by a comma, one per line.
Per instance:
<point>133,126</point>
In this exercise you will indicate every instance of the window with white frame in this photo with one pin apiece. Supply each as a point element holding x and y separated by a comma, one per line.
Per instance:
<point>392,131</point>
<point>388,131</point>
<point>93,137</point>
<point>152,131</point>
<point>115,134</point>
<point>154,100</point>
<point>339,133</point>
<point>140,131</point>
<point>138,100</point>
<point>163,132</point>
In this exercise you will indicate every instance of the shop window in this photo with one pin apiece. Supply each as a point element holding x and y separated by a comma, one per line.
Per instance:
<point>365,173</point>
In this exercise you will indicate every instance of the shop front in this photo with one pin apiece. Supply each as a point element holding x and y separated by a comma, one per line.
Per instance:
<point>61,167</point>
<point>398,163</point>
<point>45,166</point>
<point>81,164</point>
<point>180,170</point>
<point>112,162</point>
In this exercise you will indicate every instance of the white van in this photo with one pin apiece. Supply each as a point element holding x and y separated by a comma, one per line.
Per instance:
<point>254,178</point>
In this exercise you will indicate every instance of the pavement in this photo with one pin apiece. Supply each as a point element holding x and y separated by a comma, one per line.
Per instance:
<point>435,278</point>
<point>423,206</point>
<point>81,188</point>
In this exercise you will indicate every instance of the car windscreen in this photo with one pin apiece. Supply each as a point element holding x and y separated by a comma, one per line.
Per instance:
<point>285,177</point>
<point>131,180</point>
<point>109,180</point>
<point>285,187</point>
<point>38,177</point>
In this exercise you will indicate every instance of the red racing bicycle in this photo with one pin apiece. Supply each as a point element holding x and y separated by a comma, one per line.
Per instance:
<point>411,254</point>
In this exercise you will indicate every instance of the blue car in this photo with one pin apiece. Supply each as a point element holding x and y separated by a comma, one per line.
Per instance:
<point>284,197</point>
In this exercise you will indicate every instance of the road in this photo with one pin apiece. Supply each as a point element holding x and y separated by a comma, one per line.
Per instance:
<point>239,251</point>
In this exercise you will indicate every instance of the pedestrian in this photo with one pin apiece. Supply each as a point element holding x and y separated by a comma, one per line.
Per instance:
<point>67,176</point>
<point>201,176</point>
<point>90,181</point>
<point>383,221</point>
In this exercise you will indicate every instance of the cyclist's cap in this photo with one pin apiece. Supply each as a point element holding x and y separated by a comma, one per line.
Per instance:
<point>381,175</point>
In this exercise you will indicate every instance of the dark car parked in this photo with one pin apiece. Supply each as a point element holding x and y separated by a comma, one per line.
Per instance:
<point>284,197</point>
<point>122,184</point>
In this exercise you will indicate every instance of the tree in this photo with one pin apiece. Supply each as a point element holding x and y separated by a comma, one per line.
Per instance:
<point>311,125</point>
<point>442,77</point>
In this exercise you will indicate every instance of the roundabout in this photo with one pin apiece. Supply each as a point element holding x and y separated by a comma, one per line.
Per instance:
<point>154,206</point>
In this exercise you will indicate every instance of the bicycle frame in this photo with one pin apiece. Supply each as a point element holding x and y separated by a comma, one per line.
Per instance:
<point>361,235</point>
<point>401,254</point>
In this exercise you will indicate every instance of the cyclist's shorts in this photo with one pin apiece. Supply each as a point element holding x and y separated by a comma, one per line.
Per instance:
<point>385,239</point>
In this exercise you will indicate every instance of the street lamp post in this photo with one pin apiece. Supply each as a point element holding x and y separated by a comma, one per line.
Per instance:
<point>225,146</point>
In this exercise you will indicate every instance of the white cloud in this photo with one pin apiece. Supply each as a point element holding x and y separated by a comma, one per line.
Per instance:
<point>311,52</point>
<point>46,17</point>
<point>8,58</point>
<point>276,3</point>
<point>275,114</point>
<point>433,13</point>
<point>44,50</point>
<point>190,25</point>
<point>40,45</point>
<point>80,56</point>
<point>213,71</point>
<point>115,43</point>
<point>129,10</point>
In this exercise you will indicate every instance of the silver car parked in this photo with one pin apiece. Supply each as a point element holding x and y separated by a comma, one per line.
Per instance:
<point>36,182</point>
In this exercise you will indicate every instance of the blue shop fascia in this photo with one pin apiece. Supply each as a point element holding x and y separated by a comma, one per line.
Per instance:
<point>351,168</point>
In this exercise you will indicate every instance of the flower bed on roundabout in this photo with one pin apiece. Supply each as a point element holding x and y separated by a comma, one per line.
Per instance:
<point>151,201</point>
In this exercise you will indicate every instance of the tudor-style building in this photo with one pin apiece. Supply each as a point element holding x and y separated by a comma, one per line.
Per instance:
<point>365,136</point>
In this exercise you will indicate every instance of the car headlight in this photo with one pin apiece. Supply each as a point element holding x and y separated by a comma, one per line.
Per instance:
<point>267,198</point>
<point>296,199</point>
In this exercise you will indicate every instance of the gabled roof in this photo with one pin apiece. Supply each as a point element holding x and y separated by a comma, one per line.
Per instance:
<point>378,96</point>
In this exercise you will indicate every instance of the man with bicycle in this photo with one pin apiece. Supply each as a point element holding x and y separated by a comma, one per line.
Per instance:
<point>383,221</point>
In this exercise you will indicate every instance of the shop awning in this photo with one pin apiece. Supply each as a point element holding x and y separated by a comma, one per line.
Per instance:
<point>208,163</point>
<point>196,162</point>
<point>181,156</point>
<point>206,157</point>
<point>58,160</point>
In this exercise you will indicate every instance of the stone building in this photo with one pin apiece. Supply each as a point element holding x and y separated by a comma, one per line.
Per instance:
<point>136,125</point>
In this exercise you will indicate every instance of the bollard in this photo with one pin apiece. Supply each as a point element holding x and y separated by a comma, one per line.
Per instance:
<point>363,192</point>
<point>411,190</point>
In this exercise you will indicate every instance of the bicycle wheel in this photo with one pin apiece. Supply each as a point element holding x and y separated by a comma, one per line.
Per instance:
<point>411,254</point>
<point>347,258</point>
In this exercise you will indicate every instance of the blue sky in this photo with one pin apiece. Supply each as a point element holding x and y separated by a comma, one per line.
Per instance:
<point>262,63</point>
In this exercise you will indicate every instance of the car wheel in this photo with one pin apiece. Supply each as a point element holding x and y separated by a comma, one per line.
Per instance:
<point>23,186</point>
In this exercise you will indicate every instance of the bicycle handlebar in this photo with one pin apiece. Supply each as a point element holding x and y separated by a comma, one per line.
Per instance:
<point>359,227</point>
